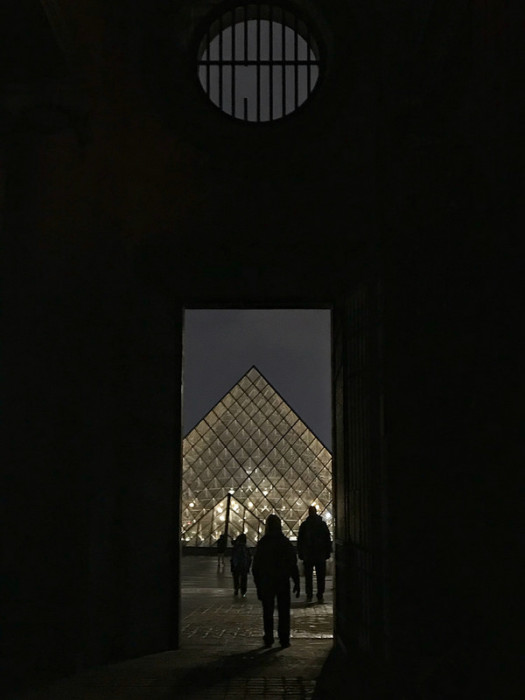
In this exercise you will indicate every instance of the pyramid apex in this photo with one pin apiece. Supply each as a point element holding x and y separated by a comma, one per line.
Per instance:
<point>253,372</point>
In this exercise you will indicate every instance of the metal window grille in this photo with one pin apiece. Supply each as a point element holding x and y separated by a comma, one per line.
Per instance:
<point>258,63</point>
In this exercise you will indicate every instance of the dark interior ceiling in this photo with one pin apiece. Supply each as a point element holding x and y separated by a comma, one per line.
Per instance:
<point>414,90</point>
<point>29,52</point>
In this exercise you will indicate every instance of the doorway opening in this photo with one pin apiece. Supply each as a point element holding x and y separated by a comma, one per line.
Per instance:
<point>257,440</point>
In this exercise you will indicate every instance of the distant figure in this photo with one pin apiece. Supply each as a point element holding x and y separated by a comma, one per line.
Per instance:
<point>274,564</point>
<point>222,543</point>
<point>314,547</point>
<point>240,565</point>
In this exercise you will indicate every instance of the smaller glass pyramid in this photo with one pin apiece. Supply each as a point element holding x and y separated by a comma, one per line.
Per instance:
<point>253,452</point>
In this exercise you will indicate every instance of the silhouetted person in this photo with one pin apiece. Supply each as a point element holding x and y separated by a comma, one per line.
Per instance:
<point>314,547</point>
<point>240,563</point>
<point>222,543</point>
<point>274,563</point>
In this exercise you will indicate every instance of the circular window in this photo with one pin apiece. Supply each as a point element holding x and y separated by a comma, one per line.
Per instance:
<point>258,63</point>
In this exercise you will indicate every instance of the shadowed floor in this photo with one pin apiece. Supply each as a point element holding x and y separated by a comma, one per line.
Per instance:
<point>221,654</point>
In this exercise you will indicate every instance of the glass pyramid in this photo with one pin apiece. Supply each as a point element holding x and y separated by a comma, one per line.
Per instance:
<point>250,456</point>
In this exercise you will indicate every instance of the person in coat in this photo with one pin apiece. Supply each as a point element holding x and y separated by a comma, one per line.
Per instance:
<point>240,563</point>
<point>314,547</point>
<point>274,563</point>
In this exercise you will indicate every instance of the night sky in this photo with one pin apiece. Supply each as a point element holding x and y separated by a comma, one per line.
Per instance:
<point>290,347</point>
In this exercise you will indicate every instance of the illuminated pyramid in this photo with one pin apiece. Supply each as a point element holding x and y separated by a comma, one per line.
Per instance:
<point>250,456</point>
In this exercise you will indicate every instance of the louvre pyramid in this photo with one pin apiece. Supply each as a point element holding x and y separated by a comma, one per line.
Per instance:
<point>253,452</point>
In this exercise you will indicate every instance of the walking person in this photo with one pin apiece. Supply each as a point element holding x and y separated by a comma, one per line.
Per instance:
<point>240,563</point>
<point>222,543</point>
<point>314,547</point>
<point>274,563</point>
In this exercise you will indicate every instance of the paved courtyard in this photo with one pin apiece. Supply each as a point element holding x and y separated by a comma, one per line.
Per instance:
<point>209,609</point>
<point>221,654</point>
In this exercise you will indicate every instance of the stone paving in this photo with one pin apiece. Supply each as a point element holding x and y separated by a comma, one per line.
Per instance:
<point>209,608</point>
<point>221,654</point>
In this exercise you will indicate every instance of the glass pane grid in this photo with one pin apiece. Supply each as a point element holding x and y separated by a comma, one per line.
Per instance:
<point>228,400</point>
<point>245,383</point>
<point>274,418</point>
<point>276,401</point>
<point>227,418</point>
<point>211,419</point>
<point>226,436</point>
<point>236,392</point>
<point>291,418</point>
<point>243,400</point>
<point>257,434</point>
<point>219,410</point>
<point>291,437</point>
<point>301,430</point>
<point>251,410</point>
<point>235,409</point>
<point>259,419</point>
<point>260,401</point>
<point>235,446</point>
<point>260,383</point>
<point>252,392</point>
<point>189,441</point>
<point>283,427</point>
<point>243,418</point>
<point>268,392</point>
<point>316,446</point>
<point>325,456</point>
<point>267,426</point>
<point>300,445</point>
<point>292,477</point>
<point>264,459</point>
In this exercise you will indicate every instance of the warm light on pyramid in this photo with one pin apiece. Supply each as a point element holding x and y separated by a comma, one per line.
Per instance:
<point>250,456</point>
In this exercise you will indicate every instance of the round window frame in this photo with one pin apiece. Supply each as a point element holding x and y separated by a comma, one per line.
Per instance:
<point>202,35</point>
